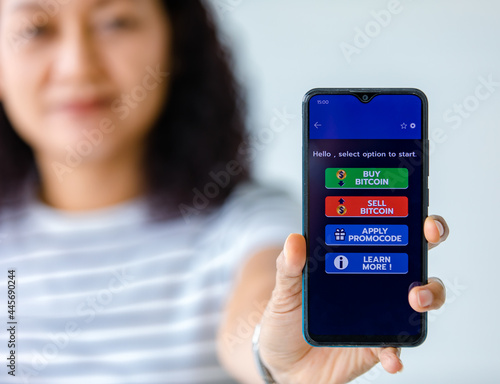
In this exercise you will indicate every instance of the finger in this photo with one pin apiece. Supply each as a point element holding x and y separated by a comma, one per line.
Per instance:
<point>287,292</point>
<point>389,358</point>
<point>436,230</point>
<point>427,297</point>
<point>281,338</point>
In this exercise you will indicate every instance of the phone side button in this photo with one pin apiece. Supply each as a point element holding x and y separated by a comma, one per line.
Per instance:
<point>428,160</point>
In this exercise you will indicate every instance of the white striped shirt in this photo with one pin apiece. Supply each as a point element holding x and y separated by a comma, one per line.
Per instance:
<point>112,296</point>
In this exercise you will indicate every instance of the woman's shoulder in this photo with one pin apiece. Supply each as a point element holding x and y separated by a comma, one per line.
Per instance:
<point>256,208</point>
<point>259,198</point>
<point>253,190</point>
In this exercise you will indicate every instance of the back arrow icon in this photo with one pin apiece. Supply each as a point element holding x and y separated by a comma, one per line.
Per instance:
<point>317,125</point>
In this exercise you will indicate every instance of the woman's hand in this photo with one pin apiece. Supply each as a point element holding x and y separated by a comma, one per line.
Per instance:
<point>282,346</point>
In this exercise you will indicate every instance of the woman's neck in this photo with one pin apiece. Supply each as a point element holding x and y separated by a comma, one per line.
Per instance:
<point>91,184</point>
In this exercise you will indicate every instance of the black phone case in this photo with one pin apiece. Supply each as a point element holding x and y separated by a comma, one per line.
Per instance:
<point>396,341</point>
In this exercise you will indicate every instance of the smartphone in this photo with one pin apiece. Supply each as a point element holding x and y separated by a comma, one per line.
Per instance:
<point>365,199</point>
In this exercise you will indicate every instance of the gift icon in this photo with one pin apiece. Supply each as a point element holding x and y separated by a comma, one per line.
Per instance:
<point>340,234</point>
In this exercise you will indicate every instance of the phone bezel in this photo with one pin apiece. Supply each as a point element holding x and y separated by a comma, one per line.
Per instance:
<point>363,340</point>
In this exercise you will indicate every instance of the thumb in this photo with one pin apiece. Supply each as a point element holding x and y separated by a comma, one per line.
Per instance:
<point>282,344</point>
<point>287,293</point>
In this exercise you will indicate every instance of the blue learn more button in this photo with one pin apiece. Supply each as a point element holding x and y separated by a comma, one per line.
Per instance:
<point>366,234</point>
<point>372,263</point>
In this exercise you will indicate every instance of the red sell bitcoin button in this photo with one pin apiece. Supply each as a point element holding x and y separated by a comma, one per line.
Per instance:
<point>366,206</point>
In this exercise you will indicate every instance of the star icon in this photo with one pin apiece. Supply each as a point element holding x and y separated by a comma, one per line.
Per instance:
<point>403,126</point>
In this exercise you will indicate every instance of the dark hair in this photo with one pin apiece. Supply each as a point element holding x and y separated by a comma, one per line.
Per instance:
<point>197,135</point>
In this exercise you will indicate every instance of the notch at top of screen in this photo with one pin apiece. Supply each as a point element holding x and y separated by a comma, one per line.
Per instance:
<point>365,97</point>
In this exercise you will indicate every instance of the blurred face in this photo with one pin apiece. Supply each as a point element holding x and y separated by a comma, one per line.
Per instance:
<point>83,76</point>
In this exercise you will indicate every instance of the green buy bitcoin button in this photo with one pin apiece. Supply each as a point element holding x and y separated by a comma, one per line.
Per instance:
<point>366,178</point>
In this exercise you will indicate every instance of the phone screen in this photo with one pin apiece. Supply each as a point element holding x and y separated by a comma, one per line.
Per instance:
<point>365,201</point>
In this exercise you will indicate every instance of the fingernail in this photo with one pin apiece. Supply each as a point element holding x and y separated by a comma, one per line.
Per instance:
<point>285,249</point>
<point>402,366</point>
<point>439,227</point>
<point>424,298</point>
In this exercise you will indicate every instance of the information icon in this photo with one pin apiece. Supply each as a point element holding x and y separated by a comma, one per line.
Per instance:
<point>341,262</point>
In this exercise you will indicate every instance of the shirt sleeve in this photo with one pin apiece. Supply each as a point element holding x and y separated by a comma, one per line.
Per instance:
<point>252,219</point>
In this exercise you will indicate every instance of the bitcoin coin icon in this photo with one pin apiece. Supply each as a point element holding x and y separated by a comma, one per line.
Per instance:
<point>341,174</point>
<point>341,210</point>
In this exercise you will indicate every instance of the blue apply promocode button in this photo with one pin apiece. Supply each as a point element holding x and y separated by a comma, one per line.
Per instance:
<point>356,263</point>
<point>366,234</point>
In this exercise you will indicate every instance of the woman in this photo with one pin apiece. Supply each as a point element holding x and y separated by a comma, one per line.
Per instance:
<point>141,253</point>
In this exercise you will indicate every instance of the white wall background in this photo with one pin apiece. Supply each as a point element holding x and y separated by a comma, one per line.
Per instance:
<point>285,47</point>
